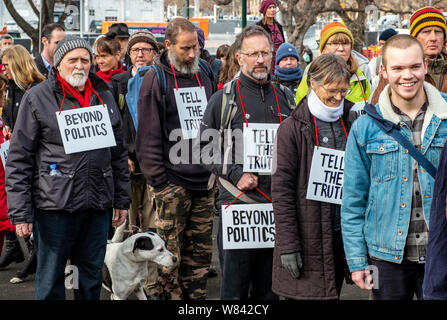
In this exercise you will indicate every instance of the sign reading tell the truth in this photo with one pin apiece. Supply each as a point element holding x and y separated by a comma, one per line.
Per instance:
<point>259,140</point>
<point>248,226</point>
<point>85,129</point>
<point>191,104</point>
<point>326,175</point>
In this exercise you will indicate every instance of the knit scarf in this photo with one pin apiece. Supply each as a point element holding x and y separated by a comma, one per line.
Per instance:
<point>289,74</point>
<point>84,101</point>
<point>318,109</point>
<point>107,76</point>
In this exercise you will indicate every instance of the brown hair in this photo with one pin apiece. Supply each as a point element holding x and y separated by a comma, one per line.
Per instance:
<point>328,68</point>
<point>175,26</point>
<point>231,65</point>
<point>108,44</point>
<point>3,84</point>
<point>23,68</point>
<point>400,41</point>
<point>222,51</point>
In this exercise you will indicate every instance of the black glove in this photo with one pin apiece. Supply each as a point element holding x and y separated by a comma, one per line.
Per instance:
<point>293,263</point>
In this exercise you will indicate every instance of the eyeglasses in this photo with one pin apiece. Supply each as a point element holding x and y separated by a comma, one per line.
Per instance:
<point>333,92</point>
<point>335,45</point>
<point>143,50</point>
<point>255,55</point>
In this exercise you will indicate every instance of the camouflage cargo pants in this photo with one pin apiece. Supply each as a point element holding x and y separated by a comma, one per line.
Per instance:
<point>184,220</point>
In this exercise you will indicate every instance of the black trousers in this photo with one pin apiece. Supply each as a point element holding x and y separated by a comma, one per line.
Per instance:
<point>398,281</point>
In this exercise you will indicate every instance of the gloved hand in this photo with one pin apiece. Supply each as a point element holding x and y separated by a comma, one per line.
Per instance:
<point>293,263</point>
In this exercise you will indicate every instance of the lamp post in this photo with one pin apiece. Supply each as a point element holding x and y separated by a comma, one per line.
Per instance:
<point>244,13</point>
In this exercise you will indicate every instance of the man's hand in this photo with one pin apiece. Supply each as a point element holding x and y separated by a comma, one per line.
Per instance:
<point>24,229</point>
<point>248,181</point>
<point>7,132</point>
<point>293,263</point>
<point>363,279</point>
<point>131,166</point>
<point>119,216</point>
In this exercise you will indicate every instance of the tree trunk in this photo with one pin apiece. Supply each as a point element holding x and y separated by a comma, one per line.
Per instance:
<point>47,18</point>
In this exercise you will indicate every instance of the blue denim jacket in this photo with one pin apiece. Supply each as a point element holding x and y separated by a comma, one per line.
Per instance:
<point>378,182</point>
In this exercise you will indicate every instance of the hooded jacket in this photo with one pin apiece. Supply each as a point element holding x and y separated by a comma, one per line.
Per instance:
<point>91,180</point>
<point>153,146</point>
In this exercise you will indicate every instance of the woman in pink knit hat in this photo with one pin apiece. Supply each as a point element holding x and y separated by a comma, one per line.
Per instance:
<point>268,9</point>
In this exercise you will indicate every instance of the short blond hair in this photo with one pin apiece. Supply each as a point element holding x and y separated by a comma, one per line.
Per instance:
<point>400,41</point>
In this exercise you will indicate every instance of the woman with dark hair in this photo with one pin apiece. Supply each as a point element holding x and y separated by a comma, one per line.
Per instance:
<point>274,28</point>
<point>230,68</point>
<point>222,51</point>
<point>108,56</point>
<point>308,258</point>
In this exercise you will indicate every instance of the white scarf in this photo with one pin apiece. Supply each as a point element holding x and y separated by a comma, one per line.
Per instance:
<point>318,109</point>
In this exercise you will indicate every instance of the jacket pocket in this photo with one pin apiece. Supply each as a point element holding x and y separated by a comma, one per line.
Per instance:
<point>384,157</point>
<point>435,149</point>
<point>56,192</point>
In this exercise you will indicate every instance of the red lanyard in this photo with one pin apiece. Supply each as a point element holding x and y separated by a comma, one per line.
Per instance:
<point>316,130</point>
<point>242,103</point>
<point>175,78</point>
<point>361,87</point>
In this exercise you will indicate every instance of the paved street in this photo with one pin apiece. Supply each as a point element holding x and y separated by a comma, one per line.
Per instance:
<point>25,290</point>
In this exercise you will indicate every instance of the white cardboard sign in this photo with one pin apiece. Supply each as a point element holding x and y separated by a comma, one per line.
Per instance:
<point>4,148</point>
<point>85,129</point>
<point>326,176</point>
<point>248,226</point>
<point>259,140</point>
<point>191,104</point>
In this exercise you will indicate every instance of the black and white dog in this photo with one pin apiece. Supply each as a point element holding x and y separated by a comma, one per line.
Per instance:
<point>125,264</point>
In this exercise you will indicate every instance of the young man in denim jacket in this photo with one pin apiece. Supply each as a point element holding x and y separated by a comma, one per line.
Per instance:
<point>387,194</point>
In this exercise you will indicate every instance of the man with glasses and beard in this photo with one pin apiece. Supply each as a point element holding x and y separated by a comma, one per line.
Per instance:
<point>167,125</point>
<point>246,273</point>
<point>61,195</point>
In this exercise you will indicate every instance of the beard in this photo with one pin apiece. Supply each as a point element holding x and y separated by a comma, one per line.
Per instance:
<point>77,78</point>
<point>184,67</point>
<point>257,75</point>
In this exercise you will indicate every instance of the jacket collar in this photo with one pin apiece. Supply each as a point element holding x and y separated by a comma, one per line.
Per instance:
<point>436,104</point>
<point>252,84</point>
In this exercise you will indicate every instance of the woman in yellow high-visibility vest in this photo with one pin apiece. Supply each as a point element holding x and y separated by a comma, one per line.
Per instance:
<point>336,38</point>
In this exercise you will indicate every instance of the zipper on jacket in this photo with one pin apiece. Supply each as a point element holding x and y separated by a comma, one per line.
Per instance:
<point>262,94</point>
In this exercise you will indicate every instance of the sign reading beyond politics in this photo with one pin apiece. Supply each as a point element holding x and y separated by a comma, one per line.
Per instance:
<point>326,176</point>
<point>85,129</point>
<point>259,139</point>
<point>4,148</point>
<point>191,105</point>
<point>248,226</point>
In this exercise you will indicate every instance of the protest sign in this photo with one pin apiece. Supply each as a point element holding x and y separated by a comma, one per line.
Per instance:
<point>326,176</point>
<point>259,140</point>
<point>85,129</point>
<point>248,226</point>
<point>4,148</point>
<point>191,105</point>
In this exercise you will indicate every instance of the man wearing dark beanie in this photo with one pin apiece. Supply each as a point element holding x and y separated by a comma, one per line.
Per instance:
<point>428,25</point>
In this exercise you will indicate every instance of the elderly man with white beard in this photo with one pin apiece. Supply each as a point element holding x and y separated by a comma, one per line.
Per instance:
<point>66,169</point>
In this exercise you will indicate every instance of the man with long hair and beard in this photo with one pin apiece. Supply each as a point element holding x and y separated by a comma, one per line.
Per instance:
<point>183,202</point>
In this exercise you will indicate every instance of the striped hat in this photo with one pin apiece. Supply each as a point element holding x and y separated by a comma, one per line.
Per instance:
<point>68,44</point>
<point>427,17</point>
<point>332,28</point>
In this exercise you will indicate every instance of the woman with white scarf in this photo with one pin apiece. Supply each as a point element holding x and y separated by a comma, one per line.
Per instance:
<point>308,255</point>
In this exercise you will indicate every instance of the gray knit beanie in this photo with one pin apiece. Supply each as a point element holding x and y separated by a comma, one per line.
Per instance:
<point>68,44</point>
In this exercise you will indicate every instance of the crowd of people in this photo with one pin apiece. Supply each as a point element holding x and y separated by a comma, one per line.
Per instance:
<point>132,135</point>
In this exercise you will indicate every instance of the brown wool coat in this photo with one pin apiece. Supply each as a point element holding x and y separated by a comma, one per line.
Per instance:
<point>301,225</point>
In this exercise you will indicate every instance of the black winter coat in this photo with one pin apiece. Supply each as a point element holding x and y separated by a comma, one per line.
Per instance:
<point>11,109</point>
<point>260,107</point>
<point>91,180</point>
